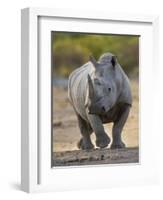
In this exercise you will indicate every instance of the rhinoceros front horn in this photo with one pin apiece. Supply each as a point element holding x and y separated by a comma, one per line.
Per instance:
<point>90,87</point>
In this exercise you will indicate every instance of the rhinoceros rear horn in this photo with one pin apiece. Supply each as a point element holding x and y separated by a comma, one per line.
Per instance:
<point>93,61</point>
<point>90,87</point>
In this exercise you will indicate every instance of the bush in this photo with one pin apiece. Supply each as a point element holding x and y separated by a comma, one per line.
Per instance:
<point>71,50</point>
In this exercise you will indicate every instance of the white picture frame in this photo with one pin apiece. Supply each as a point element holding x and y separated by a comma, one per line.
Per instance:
<point>36,171</point>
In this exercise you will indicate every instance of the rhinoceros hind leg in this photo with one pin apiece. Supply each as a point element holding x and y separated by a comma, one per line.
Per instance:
<point>86,130</point>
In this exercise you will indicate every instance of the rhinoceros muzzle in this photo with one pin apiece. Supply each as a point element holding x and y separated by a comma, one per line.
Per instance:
<point>99,107</point>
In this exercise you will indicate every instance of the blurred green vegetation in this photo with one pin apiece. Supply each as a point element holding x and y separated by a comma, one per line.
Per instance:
<point>71,50</point>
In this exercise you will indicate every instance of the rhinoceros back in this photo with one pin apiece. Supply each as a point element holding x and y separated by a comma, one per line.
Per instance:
<point>78,89</point>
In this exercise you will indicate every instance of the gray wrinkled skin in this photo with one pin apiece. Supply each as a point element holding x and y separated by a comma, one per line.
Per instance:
<point>100,93</point>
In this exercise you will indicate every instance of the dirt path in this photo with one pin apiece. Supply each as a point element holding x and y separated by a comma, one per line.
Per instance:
<point>95,157</point>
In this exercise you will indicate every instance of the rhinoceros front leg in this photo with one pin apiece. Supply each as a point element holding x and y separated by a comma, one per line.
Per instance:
<point>118,126</point>
<point>102,139</point>
<point>85,129</point>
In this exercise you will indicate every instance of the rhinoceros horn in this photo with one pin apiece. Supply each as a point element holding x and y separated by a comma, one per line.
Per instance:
<point>90,87</point>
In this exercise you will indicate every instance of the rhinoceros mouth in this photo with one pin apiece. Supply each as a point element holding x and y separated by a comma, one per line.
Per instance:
<point>99,106</point>
<point>98,110</point>
<point>97,113</point>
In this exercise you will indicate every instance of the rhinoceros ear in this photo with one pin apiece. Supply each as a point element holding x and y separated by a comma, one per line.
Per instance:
<point>93,61</point>
<point>90,87</point>
<point>114,61</point>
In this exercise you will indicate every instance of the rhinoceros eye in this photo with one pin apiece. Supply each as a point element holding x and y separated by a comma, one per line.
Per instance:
<point>109,89</point>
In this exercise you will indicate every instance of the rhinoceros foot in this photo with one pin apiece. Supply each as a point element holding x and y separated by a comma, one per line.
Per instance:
<point>102,141</point>
<point>85,145</point>
<point>117,145</point>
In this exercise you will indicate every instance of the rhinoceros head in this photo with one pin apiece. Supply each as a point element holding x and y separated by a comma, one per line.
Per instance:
<point>102,84</point>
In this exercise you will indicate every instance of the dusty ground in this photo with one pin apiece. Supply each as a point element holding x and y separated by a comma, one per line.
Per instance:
<point>96,157</point>
<point>65,129</point>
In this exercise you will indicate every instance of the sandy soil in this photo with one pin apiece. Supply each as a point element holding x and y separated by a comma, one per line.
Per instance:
<point>66,133</point>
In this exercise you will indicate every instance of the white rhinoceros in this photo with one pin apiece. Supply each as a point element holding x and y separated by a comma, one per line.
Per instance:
<point>100,93</point>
